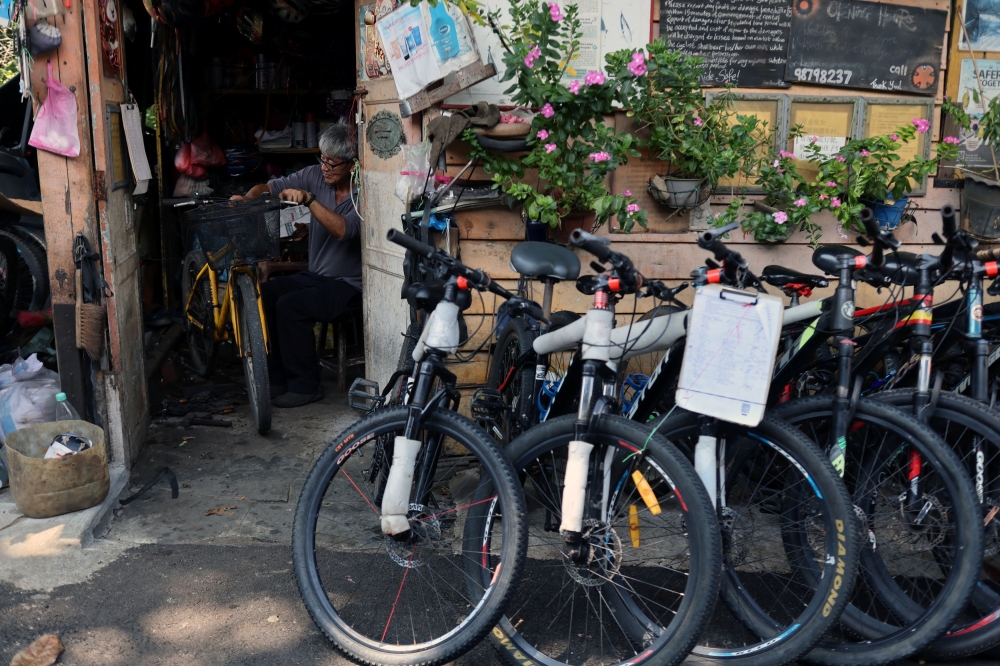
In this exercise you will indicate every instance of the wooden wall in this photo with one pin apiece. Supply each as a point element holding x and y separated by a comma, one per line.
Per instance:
<point>487,236</point>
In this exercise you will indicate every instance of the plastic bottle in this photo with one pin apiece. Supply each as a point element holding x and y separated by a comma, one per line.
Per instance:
<point>443,32</point>
<point>298,132</point>
<point>64,410</point>
<point>312,136</point>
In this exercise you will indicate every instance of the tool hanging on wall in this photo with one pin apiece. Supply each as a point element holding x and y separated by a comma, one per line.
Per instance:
<point>91,317</point>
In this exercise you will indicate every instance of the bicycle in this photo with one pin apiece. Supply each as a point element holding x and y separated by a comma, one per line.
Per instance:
<point>233,235</point>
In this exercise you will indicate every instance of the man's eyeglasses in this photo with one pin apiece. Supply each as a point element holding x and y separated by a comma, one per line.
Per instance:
<point>329,164</point>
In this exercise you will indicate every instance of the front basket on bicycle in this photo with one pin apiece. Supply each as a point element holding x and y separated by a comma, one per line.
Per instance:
<point>237,232</point>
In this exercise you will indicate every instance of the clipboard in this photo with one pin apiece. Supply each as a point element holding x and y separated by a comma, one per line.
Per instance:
<point>732,342</point>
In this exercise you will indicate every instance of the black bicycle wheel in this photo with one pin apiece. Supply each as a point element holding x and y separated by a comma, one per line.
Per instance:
<point>646,590</point>
<point>972,430</point>
<point>254,352</point>
<point>32,271</point>
<point>790,545</point>
<point>383,601</point>
<point>516,386</point>
<point>918,574</point>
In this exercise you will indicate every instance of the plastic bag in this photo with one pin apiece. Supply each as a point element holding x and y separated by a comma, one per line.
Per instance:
<point>28,396</point>
<point>413,177</point>
<point>38,9</point>
<point>55,125</point>
<point>194,156</point>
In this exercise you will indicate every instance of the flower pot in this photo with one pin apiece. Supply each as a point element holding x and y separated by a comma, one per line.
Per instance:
<point>888,215</point>
<point>679,192</point>
<point>981,207</point>
<point>536,231</point>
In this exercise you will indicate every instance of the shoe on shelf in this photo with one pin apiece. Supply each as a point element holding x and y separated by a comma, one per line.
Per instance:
<point>289,400</point>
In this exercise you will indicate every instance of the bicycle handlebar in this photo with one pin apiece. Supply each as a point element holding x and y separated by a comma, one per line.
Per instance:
<point>596,245</point>
<point>475,277</point>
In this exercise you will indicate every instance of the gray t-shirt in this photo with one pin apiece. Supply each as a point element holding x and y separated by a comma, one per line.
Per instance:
<point>328,256</point>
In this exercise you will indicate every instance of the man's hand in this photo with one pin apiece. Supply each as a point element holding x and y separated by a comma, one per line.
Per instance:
<point>237,197</point>
<point>295,196</point>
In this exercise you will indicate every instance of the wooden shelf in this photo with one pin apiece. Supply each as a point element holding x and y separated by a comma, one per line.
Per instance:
<point>291,151</point>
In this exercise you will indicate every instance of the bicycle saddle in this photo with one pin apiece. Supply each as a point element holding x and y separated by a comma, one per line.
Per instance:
<point>426,295</point>
<point>534,259</point>
<point>779,276</point>
<point>825,257</point>
<point>902,268</point>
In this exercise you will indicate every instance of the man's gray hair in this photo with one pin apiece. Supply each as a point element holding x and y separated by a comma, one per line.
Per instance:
<point>335,141</point>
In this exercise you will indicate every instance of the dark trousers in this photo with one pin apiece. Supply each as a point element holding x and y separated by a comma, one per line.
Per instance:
<point>293,305</point>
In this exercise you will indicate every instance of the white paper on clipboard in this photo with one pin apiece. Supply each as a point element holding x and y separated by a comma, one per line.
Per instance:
<point>732,340</point>
<point>136,148</point>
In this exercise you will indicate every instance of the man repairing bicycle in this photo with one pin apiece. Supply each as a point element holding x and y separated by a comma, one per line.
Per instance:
<point>332,285</point>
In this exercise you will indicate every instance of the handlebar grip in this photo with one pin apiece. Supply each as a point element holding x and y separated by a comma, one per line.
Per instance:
<point>399,238</point>
<point>948,225</point>
<point>988,255</point>
<point>870,223</point>
<point>596,245</point>
<point>712,235</point>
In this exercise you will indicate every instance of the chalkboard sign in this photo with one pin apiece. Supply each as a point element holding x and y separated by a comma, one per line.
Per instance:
<point>868,45</point>
<point>744,41</point>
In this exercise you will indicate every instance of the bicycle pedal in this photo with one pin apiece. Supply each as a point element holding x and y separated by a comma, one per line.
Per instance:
<point>487,403</point>
<point>364,395</point>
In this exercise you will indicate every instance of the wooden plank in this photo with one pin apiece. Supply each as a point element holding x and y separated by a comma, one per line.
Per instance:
<point>71,373</point>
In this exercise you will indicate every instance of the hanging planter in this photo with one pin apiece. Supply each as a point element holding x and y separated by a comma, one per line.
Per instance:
<point>889,214</point>
<point>679,192</point>
<point>981,207</point>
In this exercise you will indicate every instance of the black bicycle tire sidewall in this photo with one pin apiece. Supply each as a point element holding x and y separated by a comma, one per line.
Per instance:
<point>253,343</point>
<point>195,336</point>
<point>520,328</point>
<point>807,454</point>
<point>901,644</point>
<point>35,257</point>
<point>952,647</point>
<point>682,635</point>
<point>303,537</point>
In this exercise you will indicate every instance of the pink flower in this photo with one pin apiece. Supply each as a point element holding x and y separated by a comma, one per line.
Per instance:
<point>533,55</point>
<point>548,111</point>
<point>574,87</point>
<point>698,121</point>
<point>840,159</point>
<point>840,232</point>
<point>824,197</point>
<point>600,157</point>
<point>814,139</point>
<point>555,12</point>
<point>781,217</point>
<point>785,154</point>
<point>542,135</point>
<point>830,183</point>
<point>776,163</point>
<point>627,193</point>
<point>952,140</point>
<point>800,202</point>
<point>865,153</point>
<point>922,125</point>
<point>835,203</point>
<point>894,137</point>
<point>632,208</point>
<point>593,78</point>
<point>638,65</point>
<point>781,171</point>
<point>550,147</point>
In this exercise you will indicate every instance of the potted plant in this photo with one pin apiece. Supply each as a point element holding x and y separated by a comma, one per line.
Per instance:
<point>569,144</point>
<point>981,195</point>
<point>869,173</point>
<point>696,140</point>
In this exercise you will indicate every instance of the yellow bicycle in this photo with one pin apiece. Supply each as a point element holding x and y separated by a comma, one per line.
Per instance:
<point>233,235</point>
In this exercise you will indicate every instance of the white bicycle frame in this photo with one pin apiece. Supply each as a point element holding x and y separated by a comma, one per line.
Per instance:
<point>620,344</point>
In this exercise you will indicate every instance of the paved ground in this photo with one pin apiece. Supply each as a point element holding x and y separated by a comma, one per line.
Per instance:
<point>169,585</point>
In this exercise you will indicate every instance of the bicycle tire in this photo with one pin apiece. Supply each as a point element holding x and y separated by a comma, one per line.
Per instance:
<point>473,624</point>
<point>515,340</point>
<point>32,271</point>
<point>772,469</point>
<point>978,628</point>
<point>515,636</point>
<point>11,298</point>
<point>201,341</point>
<point>882,639</point>
<point>254,352</point>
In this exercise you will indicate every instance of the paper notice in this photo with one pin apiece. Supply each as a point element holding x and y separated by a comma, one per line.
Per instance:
<point>407,46</point>
<point>828,145</point>
<point>732,340</point>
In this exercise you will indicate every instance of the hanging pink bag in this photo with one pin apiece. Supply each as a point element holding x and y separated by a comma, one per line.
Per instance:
<point>55,125</point>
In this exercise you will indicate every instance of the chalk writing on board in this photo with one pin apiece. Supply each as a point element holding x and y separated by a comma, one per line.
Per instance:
<point>744,41</point>
<point>868,45</point>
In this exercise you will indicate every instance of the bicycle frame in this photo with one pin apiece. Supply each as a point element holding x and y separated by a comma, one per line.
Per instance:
<point>226,308</point>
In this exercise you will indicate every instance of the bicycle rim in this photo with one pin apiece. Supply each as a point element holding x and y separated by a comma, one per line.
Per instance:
<point>385,601</point>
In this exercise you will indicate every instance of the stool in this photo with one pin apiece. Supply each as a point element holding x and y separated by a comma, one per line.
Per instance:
<point>347,353</point>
